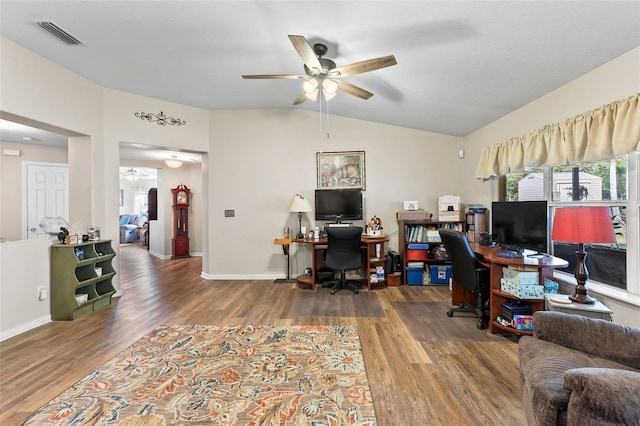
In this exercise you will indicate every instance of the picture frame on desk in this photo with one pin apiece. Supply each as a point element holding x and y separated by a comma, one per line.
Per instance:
<point>341,170</point>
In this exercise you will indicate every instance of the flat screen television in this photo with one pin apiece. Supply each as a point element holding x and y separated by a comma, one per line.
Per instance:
<point>520,224</point>
<point>338,204</point>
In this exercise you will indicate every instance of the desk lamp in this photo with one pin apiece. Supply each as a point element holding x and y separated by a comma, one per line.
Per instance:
<point>582,225</point>
<point>300,204</point>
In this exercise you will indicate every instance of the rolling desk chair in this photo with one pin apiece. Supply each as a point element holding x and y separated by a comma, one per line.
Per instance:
<point>343,254</point>
<point>467,272</point>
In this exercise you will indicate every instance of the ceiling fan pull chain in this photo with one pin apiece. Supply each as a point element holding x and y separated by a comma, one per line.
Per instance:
<point>327,119</point>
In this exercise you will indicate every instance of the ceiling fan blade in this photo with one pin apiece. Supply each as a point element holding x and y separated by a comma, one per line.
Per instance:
<point>356,91</point>
<point>301,98</point>
<point>275,76</point>
<point>364,66</point>
<point>306,52</point>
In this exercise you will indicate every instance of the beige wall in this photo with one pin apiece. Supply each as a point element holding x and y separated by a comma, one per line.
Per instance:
<point>261,158</point>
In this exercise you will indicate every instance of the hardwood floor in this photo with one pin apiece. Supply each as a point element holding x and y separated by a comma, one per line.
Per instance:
<point>423,367</point>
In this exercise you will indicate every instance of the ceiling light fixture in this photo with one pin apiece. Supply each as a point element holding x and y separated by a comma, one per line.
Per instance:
<point>174,163</point>
<point>311,88</point>
<point>131,174</point>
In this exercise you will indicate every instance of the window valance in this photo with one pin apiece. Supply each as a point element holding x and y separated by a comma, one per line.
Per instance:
<point>597,135</point>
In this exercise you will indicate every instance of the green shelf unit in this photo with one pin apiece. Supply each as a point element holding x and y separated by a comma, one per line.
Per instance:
<point>73,273</point>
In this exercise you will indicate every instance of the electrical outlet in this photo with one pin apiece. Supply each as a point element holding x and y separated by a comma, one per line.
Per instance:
<point>43,293</point>
<point>229,213</point>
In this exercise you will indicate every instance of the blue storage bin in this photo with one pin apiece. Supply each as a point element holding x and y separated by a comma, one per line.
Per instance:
<point>440,274</point>
<point>414,276</point>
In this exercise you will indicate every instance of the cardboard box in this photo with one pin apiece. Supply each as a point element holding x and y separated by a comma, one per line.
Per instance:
<point>550,286</point>
<point>523,322</point>
<point>449,202</point>
<point>521,277</point>
<point>450,216</point>
<point>522,291</point>
<point>394,280</point>
<point>419,214</point>
<point>440,274</point>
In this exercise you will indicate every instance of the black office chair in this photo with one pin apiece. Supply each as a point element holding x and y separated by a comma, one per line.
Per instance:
<point>467,273</point>
<point>343,254</point>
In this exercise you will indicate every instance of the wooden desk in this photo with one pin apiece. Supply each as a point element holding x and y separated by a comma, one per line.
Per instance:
<point>372,257</point>
<point>488,257</point>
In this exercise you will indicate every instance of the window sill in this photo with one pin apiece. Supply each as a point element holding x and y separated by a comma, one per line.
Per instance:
<point>595,287</point>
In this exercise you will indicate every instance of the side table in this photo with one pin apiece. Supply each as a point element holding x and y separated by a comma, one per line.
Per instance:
<point>285,243</point>
<point>558,302</point>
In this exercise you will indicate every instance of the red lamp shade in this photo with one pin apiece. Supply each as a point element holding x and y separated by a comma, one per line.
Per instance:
<point>584,224</point>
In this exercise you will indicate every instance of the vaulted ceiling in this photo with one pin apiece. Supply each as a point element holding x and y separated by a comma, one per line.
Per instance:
<point>461,64</point>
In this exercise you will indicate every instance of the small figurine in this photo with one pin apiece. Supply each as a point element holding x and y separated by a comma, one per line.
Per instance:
<point>62,235</point>
<point>375,225</point>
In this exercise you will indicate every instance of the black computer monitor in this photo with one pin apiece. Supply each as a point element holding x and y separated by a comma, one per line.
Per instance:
<point>338,204</point>
<point>520,224</point>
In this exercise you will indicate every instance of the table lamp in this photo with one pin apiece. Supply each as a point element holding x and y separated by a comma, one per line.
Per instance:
<point>300,204</point>
<point>582,225</point>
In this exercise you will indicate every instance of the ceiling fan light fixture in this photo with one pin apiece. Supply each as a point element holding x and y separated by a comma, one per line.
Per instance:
<point>329,86</point>
<point>310,86</point>
<point>329,96</point>
<point>174,163</point>
<point>312,96</point>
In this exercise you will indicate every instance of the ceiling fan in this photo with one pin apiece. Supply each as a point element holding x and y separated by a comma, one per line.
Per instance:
<point>323,76</point>
<point>133,174</point>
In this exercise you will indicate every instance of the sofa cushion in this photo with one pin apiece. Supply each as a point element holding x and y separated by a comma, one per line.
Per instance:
<point>133,219</point>
<point>542,366</point>
<point>124,219</point>
<point>609,395</point>
<point>603,338</point>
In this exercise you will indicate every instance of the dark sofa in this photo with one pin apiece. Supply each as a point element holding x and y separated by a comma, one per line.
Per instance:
<point>580,371</point>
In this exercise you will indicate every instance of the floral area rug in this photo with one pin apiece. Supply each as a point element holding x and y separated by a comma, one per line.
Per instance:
<point>244,375</point>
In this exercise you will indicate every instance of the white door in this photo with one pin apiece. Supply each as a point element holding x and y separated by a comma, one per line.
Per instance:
<point>47,195</point>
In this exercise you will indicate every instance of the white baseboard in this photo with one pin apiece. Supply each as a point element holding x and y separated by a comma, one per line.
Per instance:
<point>24,327</point>
<point>159,255</point>
<point>240,276</point>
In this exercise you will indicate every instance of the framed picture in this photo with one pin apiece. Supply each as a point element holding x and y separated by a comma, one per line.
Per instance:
<point>339,170</point>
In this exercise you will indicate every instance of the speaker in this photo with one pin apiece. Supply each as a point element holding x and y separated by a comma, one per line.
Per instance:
<point>153,204</point>
<point>388,265</point>
<point>395,257</point>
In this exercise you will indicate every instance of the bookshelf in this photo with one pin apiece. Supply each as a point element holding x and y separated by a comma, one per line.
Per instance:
<point>423,234</point>
<point>475,224</point>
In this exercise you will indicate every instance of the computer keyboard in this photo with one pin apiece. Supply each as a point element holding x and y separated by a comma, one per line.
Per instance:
<point>509,254</point>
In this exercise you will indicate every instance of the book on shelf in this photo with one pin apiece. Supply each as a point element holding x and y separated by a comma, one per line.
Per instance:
<point>415,264</point>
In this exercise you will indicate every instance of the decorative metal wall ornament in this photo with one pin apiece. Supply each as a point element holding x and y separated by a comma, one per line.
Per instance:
<point>161,119</point>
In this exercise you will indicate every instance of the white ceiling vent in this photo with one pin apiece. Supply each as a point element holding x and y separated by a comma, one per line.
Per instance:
<point>59,33</point>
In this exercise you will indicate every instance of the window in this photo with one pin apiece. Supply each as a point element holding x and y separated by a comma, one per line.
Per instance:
<point>601,183</point>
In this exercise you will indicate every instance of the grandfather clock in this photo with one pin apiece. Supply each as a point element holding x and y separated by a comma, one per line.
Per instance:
<point>180,241</point>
